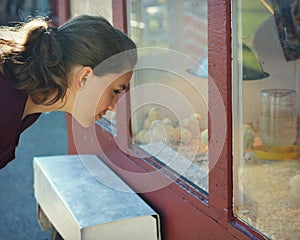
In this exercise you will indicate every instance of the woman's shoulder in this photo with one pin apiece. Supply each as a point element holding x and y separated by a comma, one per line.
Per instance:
<point>11,105</point>
<point>12,101</point>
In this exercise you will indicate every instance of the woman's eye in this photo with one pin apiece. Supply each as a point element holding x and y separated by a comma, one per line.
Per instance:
<point>117,92</point>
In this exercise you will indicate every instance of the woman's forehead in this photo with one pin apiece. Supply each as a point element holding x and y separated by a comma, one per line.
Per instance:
<point>114,80</point>
<point>123,79</point>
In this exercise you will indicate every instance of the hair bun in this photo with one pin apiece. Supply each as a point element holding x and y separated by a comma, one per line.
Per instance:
<point>38,67</point>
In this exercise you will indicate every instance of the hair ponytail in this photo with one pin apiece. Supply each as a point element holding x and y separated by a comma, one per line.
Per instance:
<point>37,69</point>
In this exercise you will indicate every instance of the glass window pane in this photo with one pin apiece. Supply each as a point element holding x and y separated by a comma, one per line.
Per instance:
<point>266,47</point>
<point>169,89</point>
<point>93,7</point>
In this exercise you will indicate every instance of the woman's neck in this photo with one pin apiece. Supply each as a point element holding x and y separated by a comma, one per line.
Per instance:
<point>31,107</point>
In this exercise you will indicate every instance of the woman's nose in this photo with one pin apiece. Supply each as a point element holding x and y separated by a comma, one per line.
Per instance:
<point>113,104</point>
<point>111,108</point>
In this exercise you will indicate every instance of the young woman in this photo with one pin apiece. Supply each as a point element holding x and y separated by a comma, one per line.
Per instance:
<point>80,67</point>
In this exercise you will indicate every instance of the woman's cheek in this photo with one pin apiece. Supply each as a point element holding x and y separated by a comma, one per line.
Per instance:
<point>103,104</point>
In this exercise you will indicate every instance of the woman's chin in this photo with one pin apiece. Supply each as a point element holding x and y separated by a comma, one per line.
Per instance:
<point>98,117</point>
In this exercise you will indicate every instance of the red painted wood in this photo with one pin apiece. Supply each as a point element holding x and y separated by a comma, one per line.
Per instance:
<point>119,14</point>
<point>181,218</point>
<point>219,57</point>
<point>54,12</point>
<point>63,11</point>
<point>220,73</point>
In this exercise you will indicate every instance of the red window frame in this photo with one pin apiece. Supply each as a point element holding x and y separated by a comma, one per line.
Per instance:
<point>185,212</point>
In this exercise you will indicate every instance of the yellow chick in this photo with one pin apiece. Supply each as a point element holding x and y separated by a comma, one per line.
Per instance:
<point>192,123</point>
<point>186,136</point>
<point>168,125</point>
<point>158,131</point>
<point>180,135</point>
<point>153,114</point>
<point>250,158</point>
<point>204,137</point>
<point>248,136</point>
<point>167,122</point>
<point>295,186</point>
<point>143,137</point>
<point>163,130</point>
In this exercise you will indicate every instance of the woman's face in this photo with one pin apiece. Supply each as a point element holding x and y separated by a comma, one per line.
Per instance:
<point>98,95</point>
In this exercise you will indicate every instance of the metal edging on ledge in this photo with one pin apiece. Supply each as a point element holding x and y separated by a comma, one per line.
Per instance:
<point>77,199</point>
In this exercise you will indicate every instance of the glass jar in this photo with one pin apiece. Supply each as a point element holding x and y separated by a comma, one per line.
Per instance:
<point>278,120</point>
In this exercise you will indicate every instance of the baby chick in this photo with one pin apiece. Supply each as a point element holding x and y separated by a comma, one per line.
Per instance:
<point>153,114</point>
<point>180,135</point>
<point>167,122</point>
<point>204,137</point>
<point>186,136</point>
<point>295,186</point>
<point>248,136</point>
<point>192,123</point>
<point>168,125</point>
<point>250,158</point>
<point>158,131</point>
<point>143,137</point>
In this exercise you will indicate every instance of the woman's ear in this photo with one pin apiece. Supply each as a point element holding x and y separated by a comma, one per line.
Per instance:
<point>81,78</point>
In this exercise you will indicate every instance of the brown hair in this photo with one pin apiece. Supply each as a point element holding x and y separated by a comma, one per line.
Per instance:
<point>40,65</point>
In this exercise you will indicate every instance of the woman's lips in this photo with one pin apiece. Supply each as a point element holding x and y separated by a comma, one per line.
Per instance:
<point>98,117</point>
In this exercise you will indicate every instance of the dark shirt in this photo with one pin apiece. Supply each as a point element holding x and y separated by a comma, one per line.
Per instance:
<point>12,104</point>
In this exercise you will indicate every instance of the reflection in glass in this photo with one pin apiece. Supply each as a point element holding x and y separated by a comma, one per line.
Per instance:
<point>266,133</point>
<point>109,120</point>
<point>169,104</point>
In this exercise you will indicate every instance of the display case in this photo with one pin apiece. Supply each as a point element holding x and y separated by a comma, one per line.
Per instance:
<point>168,97</point>
<point>266,139</point>
<point>208,131</point>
